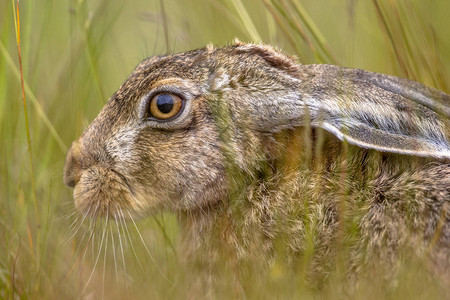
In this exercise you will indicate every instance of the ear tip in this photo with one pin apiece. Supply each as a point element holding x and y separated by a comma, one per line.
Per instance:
<point>427,96</point>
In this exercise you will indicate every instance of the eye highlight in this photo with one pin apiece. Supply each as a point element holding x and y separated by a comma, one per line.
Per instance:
<point>165,106</point>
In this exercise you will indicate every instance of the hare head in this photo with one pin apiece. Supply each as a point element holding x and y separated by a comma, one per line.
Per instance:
<point>165,138</point>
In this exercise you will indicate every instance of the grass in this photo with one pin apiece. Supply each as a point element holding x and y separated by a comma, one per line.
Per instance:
<point>74,54</point>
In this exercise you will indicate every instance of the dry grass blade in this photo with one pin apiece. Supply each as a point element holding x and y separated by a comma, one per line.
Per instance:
<point>164,232</point>
<point>293,22</point>
<point>165,26</point>
<point>293,14</point>
<point>389,34</point>
<point>13,269</point>
<point>283,28</point>
<point>78,262</point>
<point>74,54</point>
<point>407,33</point>
<point>90,53</point>
<point>34,100</point>
<point>310,24</point>
<point>24,101</point>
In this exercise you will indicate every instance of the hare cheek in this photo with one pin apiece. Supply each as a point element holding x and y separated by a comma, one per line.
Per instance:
<point>121,148</point>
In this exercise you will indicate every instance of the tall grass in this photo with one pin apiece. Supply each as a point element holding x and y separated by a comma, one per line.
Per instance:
<point>76,53</point>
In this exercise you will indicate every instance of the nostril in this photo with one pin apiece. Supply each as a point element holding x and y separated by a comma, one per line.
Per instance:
<point>71,182</point>
<point>72,168</point>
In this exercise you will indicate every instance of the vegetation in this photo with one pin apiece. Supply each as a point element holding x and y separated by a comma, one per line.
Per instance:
<point>75,54</point>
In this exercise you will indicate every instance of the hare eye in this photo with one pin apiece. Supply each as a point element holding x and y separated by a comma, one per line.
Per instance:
<point>165,106</point>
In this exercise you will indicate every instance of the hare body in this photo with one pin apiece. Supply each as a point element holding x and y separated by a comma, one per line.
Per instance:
<point>264,150</point>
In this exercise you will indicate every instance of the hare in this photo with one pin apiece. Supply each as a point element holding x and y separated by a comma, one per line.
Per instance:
<point>249,147</point>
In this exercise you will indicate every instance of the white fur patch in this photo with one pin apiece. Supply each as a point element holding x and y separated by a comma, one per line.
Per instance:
<point>219,80</point>
<point>121,147</point>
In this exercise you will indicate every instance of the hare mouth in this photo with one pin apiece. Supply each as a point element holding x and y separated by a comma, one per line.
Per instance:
<point>103,192</point>
<point>124,180</point>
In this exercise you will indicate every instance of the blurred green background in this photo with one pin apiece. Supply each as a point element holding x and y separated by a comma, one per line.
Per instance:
<point>75,54</point>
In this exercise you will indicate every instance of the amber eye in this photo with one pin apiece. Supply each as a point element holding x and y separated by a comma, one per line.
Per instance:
<point>165,106</point>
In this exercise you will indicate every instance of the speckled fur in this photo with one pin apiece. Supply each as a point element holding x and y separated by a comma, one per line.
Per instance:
<point>256,158</point>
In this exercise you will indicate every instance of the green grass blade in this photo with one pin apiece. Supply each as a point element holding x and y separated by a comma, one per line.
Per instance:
<point>247,21</point>
<point>34,100</point>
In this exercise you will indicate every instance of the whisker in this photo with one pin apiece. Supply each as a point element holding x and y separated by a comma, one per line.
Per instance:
<point>80,224</point>
<point>70,230</point>
<point>84,254</point>
<point>96,260</point>
<point>77,262</point>
<point>88,229</point>
<point>114,254</point>
<point>74,230</point>
<point>93,223</point>
<point>148,252</point>
<point>65,203</point>
<point>66,216</point>
<point>93,239</point>
<point>121,248</point>
<point>123,223</point>
<point>106,248</point>
<point>81,241</point>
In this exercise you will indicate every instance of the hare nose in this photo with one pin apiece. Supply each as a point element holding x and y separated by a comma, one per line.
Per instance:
<point>72,168</point>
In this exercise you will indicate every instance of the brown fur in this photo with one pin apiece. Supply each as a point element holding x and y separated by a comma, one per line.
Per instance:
<point>253,160</point>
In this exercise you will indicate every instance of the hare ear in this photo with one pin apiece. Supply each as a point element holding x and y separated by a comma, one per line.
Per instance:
<point>369,110</point>
<point>377,111</point>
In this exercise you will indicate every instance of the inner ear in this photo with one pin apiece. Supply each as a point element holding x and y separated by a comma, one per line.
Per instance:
<point>368,137</point>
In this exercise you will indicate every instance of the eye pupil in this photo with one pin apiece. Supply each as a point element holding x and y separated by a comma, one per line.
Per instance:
<point>165,106</point>
<point>164,103</point>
